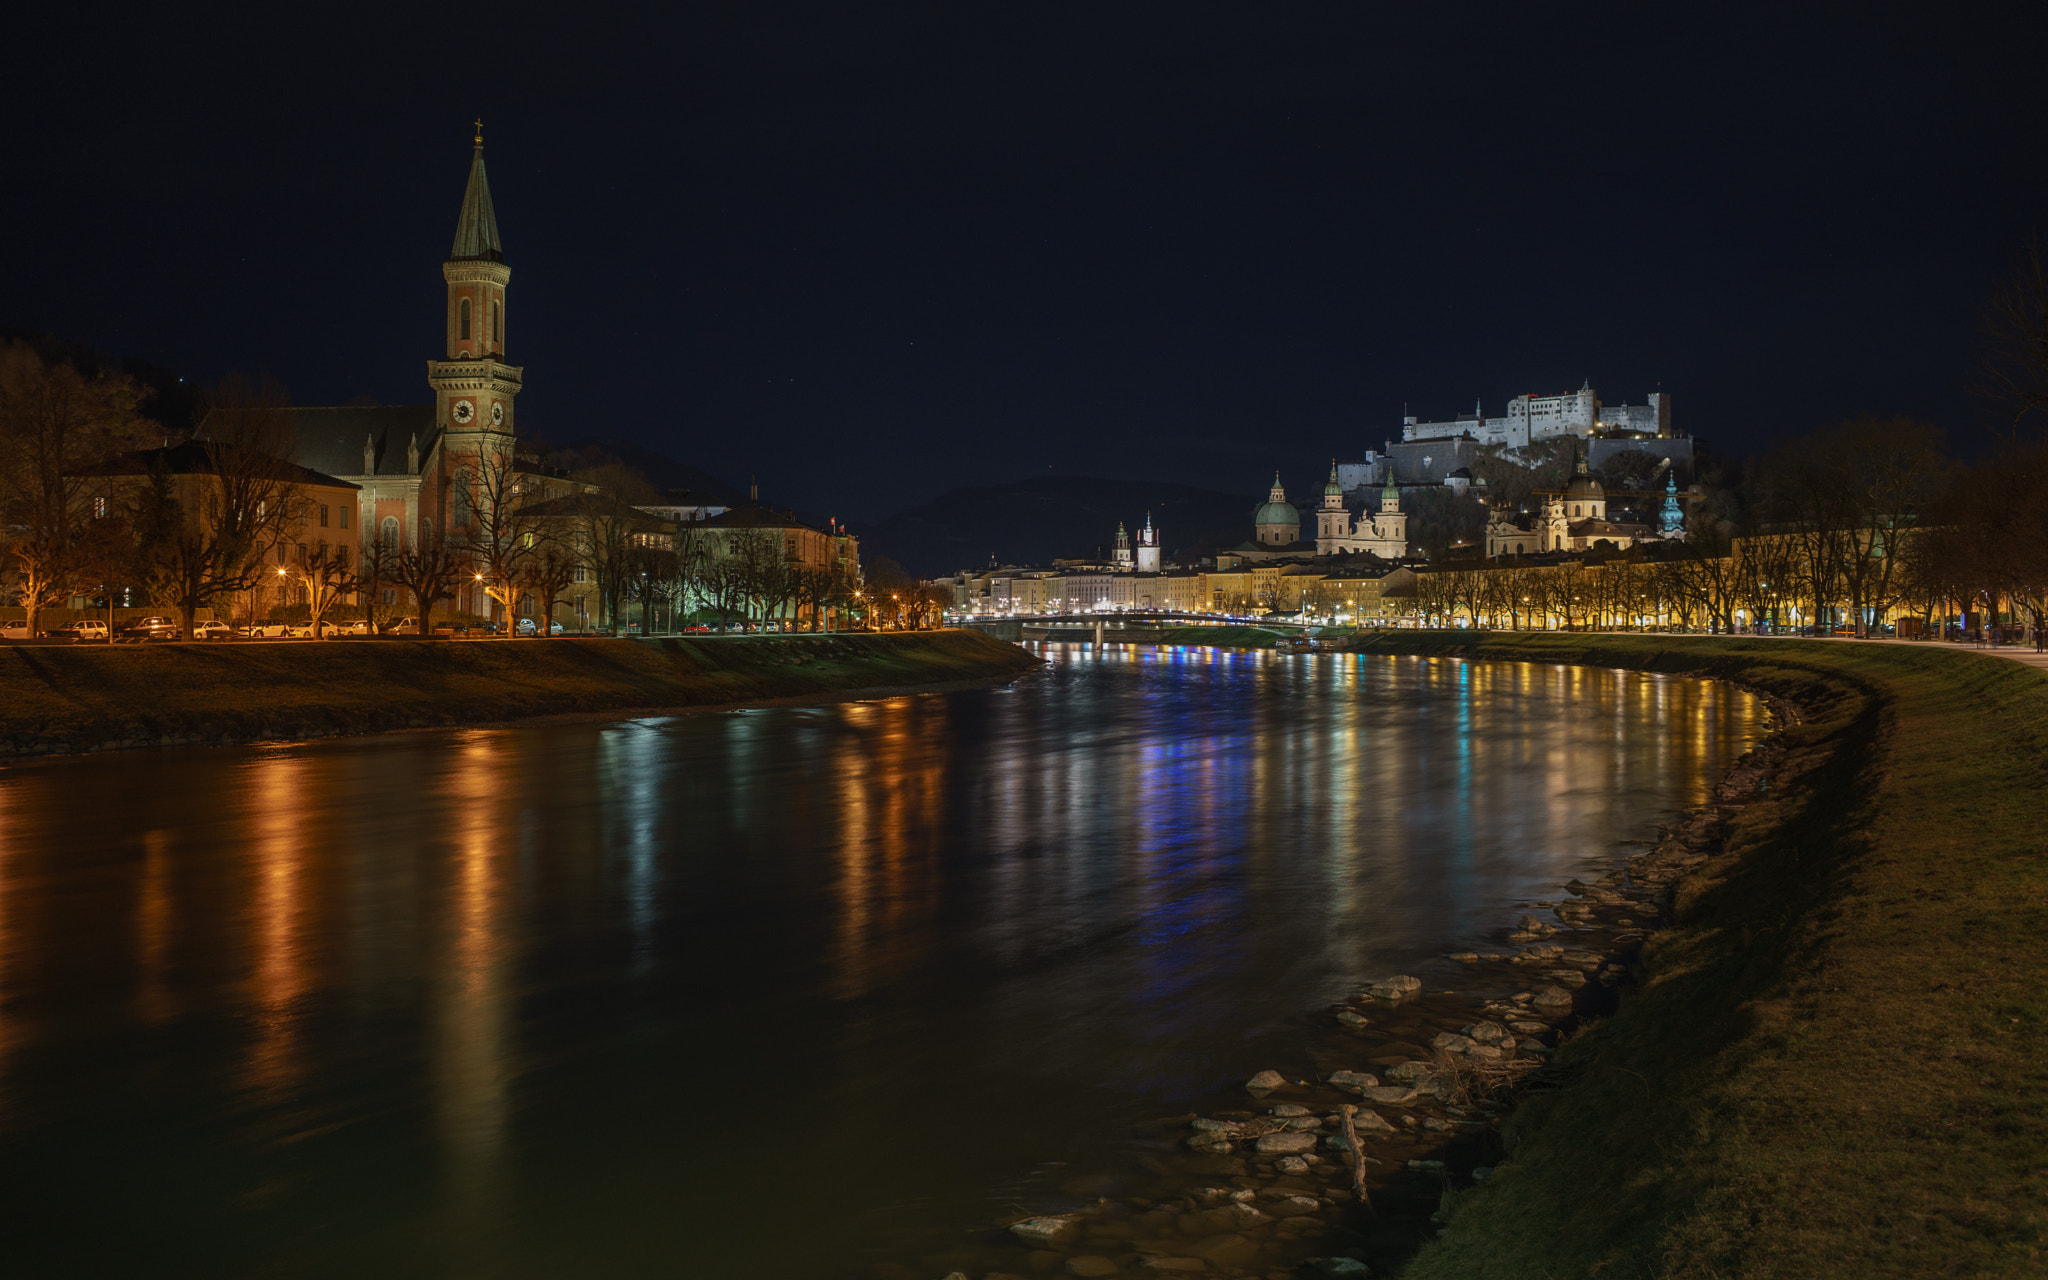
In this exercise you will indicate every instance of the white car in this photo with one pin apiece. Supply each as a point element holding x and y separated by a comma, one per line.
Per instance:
<point>89,629</point>
<point>266,631</point>
<point>214,630</point>
<point>527,627</point>
<point>299,631</point>
<point>356,628</point>
<point>15,629</point>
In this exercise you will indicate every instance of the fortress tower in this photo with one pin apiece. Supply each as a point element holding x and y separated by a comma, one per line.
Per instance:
<point>1148,547</point>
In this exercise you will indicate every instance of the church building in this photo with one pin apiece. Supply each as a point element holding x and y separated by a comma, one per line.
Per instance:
<point>421,469</point>
<point>1384,533</point>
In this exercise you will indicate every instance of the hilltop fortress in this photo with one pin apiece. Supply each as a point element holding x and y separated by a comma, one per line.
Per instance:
<point>1531,418</point>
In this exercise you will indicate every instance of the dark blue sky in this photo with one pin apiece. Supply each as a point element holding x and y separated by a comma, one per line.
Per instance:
<point>869,252</point>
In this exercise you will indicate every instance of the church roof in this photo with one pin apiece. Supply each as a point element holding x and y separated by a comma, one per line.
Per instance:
<point>193,458</point>
<point>476,227</point>
<point>331,439</point>
<point>1276,513</point>
<point>756,516</point>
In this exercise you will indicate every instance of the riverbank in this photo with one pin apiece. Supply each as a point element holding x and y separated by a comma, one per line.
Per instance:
<point>67,699</point>
<point>1832,1063</point>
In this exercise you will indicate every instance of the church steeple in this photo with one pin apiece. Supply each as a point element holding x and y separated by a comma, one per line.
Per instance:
<point>473,386</point>
<point>476,227</point>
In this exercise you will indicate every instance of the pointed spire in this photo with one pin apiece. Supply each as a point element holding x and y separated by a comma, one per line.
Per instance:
<point>476,227</point>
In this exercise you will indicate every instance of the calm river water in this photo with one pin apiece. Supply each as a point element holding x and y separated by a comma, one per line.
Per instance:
<point>765,994</point>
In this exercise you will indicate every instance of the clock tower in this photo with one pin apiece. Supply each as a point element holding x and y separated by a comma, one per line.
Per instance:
<point>473,386</point>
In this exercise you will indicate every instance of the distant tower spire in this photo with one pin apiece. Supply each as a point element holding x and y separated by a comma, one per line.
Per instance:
<point>479,131</point>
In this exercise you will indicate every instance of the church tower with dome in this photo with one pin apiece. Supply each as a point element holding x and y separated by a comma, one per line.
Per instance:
<point>1278,523</point>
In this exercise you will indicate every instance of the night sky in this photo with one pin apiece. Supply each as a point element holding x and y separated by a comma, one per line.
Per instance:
<point>870,252</point>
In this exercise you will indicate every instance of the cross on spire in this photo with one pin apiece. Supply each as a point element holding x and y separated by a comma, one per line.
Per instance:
<point>479,131</point>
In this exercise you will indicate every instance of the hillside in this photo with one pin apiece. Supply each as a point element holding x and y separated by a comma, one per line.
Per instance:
<point>1034,521</point>
<point>664,472</point>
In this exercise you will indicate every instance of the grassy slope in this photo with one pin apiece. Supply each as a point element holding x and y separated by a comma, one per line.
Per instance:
<point>83,697</point>
<point>1836,1064</point>
<point>1222,637</point>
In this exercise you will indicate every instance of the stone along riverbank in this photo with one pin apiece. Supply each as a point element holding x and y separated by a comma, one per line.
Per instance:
<point>1423,1079</point>
<point>96,698</point>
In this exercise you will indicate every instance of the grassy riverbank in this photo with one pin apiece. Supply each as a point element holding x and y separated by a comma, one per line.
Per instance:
<point>1222,637</point>
<point>95,697</point>
<point>1837,1064</point>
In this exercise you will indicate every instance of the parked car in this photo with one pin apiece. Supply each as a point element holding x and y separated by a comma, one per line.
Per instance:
<point>214,630</point>
<point>151,629</point>
<point>84,629</point>
<point>359,627</point>
<point>15,629</point>
<point>527,627</point>
<point>265,631</point>
<point>299,631</point>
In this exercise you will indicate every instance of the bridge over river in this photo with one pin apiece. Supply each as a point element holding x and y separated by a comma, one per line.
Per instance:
<point>1136,627</point>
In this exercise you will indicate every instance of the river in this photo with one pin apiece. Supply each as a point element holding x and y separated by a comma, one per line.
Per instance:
<point>766,994</point>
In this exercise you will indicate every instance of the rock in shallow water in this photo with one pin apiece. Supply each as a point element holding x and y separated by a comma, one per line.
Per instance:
<point>1048,1231</point>
<point>1266,1080</point>
<point>1353,1081</point>
<point>1397,988</point>
<point>1286,1144</point>
<point>1226,1250</point>
<point>1338,1267</point>
<point>1553,997</point>
<point>1292,1166</point>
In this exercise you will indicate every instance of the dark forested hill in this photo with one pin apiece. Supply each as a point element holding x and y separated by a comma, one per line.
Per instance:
<point>1033,521</point>
<point>663,472</point>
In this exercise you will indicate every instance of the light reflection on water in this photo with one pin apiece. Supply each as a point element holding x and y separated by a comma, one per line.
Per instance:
<point>761,993</point>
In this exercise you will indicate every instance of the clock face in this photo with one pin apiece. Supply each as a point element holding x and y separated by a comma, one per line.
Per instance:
<point>464,411</point>
<point>497,415</point>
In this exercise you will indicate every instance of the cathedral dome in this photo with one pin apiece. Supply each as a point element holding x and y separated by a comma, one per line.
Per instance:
<point>1584,488</point>
<point>1276,513</point>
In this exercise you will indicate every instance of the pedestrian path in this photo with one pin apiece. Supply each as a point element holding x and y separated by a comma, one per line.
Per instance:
<point>2013,652</point>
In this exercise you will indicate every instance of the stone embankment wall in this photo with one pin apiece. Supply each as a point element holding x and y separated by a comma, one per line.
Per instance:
<point>57,699</point>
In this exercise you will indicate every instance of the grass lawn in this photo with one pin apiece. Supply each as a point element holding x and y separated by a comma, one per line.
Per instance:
<point>1837,1064</point>
<point>83,697</point>
<point>1230,637</point>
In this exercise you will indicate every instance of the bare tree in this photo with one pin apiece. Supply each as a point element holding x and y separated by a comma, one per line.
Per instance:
<point>376,561</point>
<point>57,425</point>
<point>495,538</point>
<point>2016,329</point>
<point>217,504</point>
<point>329,574</point>
<point>429,570</point>
<point>546,574</point>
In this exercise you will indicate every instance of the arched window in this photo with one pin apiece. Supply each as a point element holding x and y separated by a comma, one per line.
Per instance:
<point>462,502</point>
<point>498,322</point>
<point>426,532</point>
<point>387,533</point>
<point>462,319</point>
